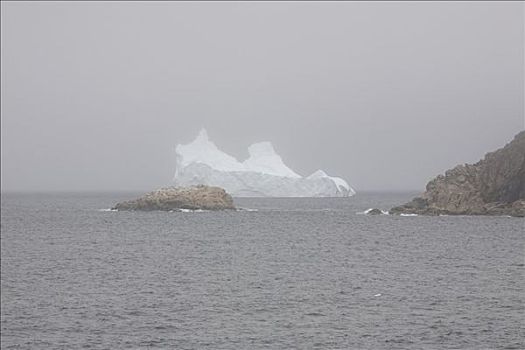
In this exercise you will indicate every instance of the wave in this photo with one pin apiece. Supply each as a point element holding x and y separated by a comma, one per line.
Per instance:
<point>246,209</point>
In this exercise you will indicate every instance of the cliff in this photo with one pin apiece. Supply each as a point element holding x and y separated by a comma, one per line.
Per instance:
<point>493,186</point>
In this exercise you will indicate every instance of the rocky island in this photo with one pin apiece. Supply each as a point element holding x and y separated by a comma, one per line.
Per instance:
<point>177,198</point>
<point>493,186</point>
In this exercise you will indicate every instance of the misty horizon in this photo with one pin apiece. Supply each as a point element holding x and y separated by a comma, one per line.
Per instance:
<point>95,96</point>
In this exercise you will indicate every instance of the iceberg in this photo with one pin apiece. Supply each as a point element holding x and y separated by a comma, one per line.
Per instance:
<point>263,174</point>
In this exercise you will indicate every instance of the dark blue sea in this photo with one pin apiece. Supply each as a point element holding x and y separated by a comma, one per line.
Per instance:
<point>286,274</point>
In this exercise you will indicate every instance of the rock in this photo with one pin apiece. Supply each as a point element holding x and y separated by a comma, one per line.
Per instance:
<point>176,198</point>
<point>374,211</point>
<point>493,186</point>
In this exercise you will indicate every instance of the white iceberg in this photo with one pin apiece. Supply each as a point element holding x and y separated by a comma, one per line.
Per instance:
<point>263,174</point>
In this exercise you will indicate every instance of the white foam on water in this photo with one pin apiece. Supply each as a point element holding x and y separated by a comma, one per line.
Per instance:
<point>246,209</point>
<point>189,210</point>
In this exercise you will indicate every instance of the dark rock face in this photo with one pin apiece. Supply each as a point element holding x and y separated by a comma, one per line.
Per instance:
<point>176,198</point>
<point>493,186</point>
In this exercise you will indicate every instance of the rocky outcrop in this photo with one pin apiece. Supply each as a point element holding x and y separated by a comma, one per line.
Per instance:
<point>493,186</point>
<point>177,198</point>
<point>374,211</point>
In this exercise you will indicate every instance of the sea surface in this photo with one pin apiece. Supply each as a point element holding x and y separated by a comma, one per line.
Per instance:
<point>287,274</point>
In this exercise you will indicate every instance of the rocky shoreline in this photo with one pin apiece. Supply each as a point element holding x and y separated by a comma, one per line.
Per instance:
<point>180,198</point>
<point>493,186</point>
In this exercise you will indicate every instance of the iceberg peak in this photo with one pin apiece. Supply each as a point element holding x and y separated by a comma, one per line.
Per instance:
<point>202,150</point>
<point>261,148</point>
<point>202,136</point>
<point>263,159</point>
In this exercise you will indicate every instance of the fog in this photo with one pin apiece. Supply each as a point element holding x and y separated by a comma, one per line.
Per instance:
<point>96,95</point>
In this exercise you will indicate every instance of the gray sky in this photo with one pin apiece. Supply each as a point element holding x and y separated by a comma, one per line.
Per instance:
<point>96,95</point>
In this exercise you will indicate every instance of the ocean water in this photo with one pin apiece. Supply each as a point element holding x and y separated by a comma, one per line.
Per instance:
<point>292,274</point>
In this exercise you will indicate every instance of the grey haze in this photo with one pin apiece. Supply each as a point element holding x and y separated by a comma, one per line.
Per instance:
<point>95,95</point>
